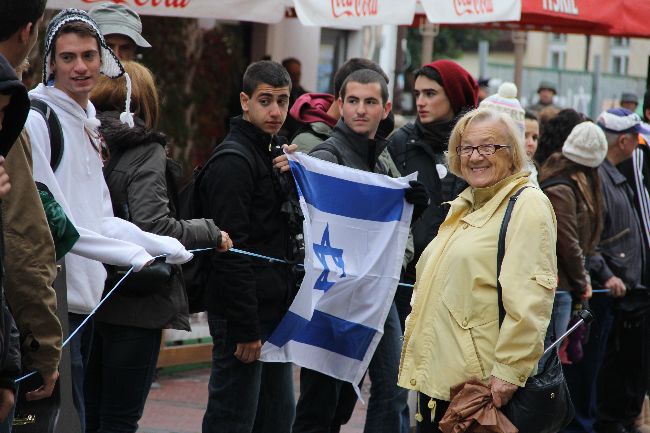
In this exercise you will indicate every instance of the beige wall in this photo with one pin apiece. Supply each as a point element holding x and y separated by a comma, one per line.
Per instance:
<point>537,53</point>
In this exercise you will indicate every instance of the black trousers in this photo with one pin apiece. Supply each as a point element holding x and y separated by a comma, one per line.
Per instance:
<point>622,379</point>
<point>325,403</point>
<point>429,423</point>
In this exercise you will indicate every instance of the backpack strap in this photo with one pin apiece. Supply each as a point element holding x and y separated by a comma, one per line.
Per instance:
<point>328,147</point>
<point>501,249</point>
<point>54,131</point>
<point>224,148</point>
<point>114,159</point>
<point>558,181</point>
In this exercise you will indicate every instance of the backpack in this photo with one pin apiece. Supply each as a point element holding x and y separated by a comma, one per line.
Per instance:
<point>195,272</point>
<point>54,131</point>
<point>305,128</point>
<point>560,181</point>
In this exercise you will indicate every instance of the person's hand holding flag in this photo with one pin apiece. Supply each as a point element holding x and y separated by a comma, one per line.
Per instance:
<point>417,195</point>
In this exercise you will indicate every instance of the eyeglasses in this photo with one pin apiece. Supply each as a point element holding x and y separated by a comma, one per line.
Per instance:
<point>483,149</point>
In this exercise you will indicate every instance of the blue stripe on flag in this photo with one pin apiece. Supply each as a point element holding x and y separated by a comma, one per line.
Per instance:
<point>342,197</point>
<point>325,331</point>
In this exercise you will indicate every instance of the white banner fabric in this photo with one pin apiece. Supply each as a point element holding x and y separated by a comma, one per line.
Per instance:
<point>471,11</point>
<point>354,13</point>
<point>261,11</point>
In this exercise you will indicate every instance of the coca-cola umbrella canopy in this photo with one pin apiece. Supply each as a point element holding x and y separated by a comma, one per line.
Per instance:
<point>322,13</point>
<point>628,18</point>
<point>261,11</point>
<point>559,16</point>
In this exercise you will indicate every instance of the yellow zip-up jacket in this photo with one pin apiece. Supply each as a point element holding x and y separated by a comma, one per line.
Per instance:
<point>453,331</point>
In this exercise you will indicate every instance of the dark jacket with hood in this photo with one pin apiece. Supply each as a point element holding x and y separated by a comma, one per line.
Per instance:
<point>419,147</point>
<point>15,115</point>
<point>142,187</point>
<point>245,199</point>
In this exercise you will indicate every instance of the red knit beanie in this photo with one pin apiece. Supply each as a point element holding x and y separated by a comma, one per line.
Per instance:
<point>461,88</point>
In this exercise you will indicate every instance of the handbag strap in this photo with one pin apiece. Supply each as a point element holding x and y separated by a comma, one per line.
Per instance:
<point>501,249</point>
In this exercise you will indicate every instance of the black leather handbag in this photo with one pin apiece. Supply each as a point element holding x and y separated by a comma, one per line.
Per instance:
<point>39,416</point>
<point>149,280</point>
<point>544,404</point>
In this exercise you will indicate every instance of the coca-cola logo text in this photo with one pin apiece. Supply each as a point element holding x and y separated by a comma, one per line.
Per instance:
<point>181,4</point>
<point>354,8</point>
<point>561,6</point>
<point>473,7</point>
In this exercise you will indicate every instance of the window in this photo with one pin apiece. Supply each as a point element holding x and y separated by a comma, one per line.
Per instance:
<point>558,37</point>
<point>557,59</point>
<point>619,55</point>
<point>620,42</point>
<point>557,50</point>
<point>619,64</point>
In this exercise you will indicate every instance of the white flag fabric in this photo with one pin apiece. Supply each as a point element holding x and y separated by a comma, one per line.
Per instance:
<point>356,227</point>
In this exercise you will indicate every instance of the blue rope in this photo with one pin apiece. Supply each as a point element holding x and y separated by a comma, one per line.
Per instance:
<point>83,323</point>
<point>198,250</point>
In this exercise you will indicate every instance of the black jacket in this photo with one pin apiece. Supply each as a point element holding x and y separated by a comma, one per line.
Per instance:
<point>246,201</point>
<point>620,251</point>
<point>637,172</point>
<point>412,152</point>
<point>347,148</point>
<point>14,120</point>
<point>18,108</point>
<point>142,187</point>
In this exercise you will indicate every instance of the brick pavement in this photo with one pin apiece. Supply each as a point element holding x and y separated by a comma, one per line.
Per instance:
<point>177,406</point>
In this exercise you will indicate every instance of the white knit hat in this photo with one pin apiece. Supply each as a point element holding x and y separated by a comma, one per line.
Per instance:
<point>111,66</point>
<point>586,145</point>
<point>505,101</point>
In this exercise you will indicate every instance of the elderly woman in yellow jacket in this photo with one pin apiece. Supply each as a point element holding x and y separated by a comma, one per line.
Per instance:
<point>453,332</point>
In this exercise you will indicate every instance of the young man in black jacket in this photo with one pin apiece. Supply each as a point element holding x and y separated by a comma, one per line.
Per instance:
<point>247,296</point>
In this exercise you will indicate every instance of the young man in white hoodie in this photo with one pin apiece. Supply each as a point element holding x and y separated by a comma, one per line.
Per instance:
<point>75,54</point>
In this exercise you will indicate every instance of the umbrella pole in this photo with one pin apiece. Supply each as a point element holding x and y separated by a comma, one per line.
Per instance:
<point>585,318</point>
<point>519,38</point>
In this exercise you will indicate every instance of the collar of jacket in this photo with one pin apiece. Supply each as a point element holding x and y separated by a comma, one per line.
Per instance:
<point>367,148</point>
<point>435,135</point>
<point>119,135</point>
<point>613,173</point>
<point>238,125</point>
<point>486,201</point>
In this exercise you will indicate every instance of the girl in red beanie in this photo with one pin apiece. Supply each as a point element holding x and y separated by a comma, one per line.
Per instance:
<point>443,91</point>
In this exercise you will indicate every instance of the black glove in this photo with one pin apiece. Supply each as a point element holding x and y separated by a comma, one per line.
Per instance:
<point>417,195</point>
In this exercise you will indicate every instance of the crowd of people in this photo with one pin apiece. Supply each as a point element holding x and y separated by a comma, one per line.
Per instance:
<point>578,237</point>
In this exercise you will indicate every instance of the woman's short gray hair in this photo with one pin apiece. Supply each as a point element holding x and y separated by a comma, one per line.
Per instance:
<point>511,131</point>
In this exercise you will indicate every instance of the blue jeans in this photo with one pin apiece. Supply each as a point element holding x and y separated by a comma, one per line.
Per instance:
<point>581,377</point>
<point>119,375</point>
<point>80,347</point>
<point>387,401</point>
<point>245,398</point>
<point>560,317</point>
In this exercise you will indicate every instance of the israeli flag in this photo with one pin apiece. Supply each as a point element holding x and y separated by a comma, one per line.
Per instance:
<point>356,227</point>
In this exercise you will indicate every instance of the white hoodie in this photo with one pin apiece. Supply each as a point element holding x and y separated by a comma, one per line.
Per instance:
<point>79,187</point>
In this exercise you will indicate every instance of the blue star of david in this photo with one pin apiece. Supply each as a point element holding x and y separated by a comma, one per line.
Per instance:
<point>322,251</point>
